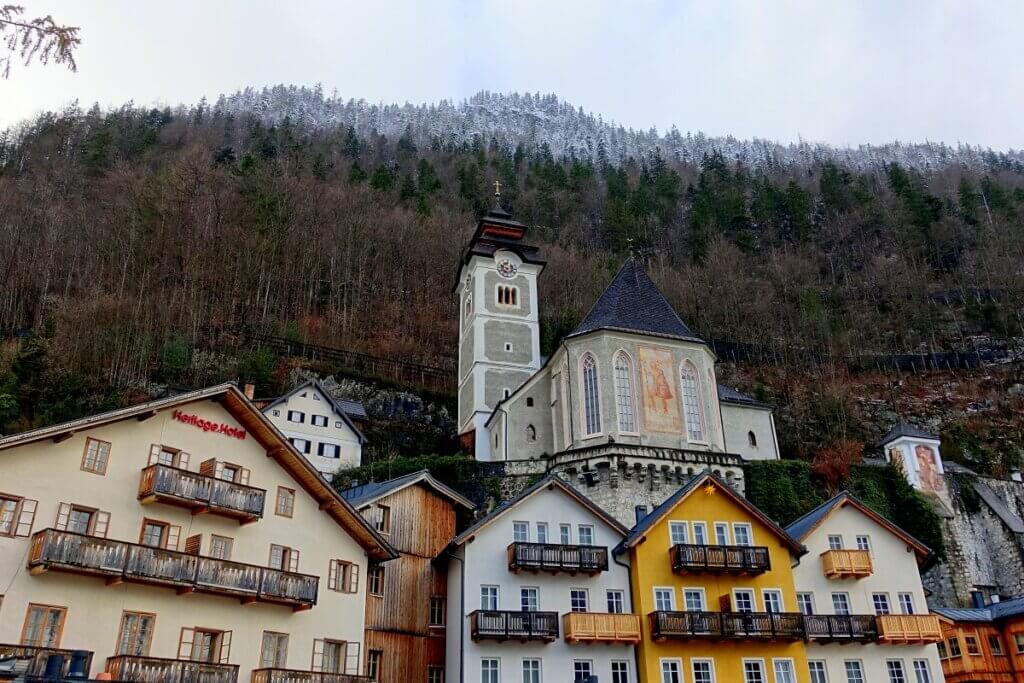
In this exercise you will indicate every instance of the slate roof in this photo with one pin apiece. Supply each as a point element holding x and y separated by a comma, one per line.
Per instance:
<point>998,610</point>
<point>642,527</point>
<point>730,395</point>
<point>359,496</point>
<point>902,428</point>
<point>632,303</point>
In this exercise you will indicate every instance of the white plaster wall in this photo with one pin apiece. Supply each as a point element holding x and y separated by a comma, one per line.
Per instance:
<point>738,421</point>
<point>50,472</point>
<point>895,571</point>
<point>314,403</point>
<point>487,564</point>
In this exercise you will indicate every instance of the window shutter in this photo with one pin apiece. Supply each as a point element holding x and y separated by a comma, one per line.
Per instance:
<point>352,658</point>
<point>243,477</point>
<point>225,647</point>
<point>208,467</point>
<point>185,643</point>
<point>218,469</point>
<point>318,655</point>
<point>193,544</point>
<point>183,460</point>
<point>102,524</point>
<point>725,603</point>
<point>293,560</point>
<point>26,517</point>
<point>353,584</point>
<point>332,575</point>
<point>173,534</point>
<point>154,454</point>
<point>63,514</point>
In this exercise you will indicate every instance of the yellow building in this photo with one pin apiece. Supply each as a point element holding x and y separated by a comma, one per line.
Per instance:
<point>713,577</point>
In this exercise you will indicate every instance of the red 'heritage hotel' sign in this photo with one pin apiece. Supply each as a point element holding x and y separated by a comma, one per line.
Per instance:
<point>207,425</point>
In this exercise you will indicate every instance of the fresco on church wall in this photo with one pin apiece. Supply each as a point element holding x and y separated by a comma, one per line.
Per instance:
<point>661,400</point>
<point>928,475</point>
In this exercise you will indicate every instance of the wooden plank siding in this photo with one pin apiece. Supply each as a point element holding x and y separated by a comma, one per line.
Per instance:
<point>422,522</point>
<point>409,583</point>
<point>985,666</point>
<point>405,658</point>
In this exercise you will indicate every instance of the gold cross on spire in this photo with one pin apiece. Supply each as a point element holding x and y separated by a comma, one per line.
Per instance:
<point>497,188</point>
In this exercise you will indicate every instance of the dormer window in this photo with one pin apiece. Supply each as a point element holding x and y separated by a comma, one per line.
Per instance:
<point>508,295</point>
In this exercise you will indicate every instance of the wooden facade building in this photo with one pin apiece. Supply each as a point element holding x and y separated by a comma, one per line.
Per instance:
<point>406,599</point>
<point>983,644</point>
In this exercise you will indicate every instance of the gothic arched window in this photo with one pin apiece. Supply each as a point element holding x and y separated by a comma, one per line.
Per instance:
<point>690,391</point>
<point>625,407</point>
<point>591,398</point>
<point>752,439</point>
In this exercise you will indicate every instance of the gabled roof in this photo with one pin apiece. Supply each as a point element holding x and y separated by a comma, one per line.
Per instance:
<point>366,494</point>
<point>335,403</point>
<point>804,526</point>
<point>1012,607</point>
<point>730,395</point>
<point>549,482</point>
<point>904,429</point>
<point>639,532</point>
<point>633,303</point>
<point>262,430</point>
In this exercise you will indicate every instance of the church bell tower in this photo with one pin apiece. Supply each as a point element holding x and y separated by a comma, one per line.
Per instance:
<point>499,324</point>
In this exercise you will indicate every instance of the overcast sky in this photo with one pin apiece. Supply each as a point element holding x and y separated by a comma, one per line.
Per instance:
<point>844,73</point>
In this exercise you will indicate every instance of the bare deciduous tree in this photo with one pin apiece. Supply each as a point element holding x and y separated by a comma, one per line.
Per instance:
<point>40,39</point>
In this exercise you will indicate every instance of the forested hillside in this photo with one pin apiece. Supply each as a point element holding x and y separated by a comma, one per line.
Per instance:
<point>141,246</point>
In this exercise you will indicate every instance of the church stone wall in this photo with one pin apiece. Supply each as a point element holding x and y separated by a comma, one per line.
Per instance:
<point>499,332</point>
<point>466,350</point>
<point>738,420</point>
<point>496,381</point>
<point>522,416</point>
<point>467,396</point>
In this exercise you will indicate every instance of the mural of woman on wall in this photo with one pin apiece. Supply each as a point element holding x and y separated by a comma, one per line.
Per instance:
<point>661,402</point>
<point>928,475</point>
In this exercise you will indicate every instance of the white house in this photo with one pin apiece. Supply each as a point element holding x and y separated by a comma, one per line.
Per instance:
<point>318,426</point>
<point>860,590</point>
<point>534,593</point>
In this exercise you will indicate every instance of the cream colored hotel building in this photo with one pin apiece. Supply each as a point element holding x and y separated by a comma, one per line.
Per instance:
<point>181,540</point>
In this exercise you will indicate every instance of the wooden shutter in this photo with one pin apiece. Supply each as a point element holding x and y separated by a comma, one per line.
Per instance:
<point>353,578</point>
<point>183,460</point>
<point>725,602</point>
<point>225,647</point>
<point>63,515</point>
<point>318,655</point>
<point>193,544</point>
<point>173,534</point>
<point>26,517</point>
<point>332,575</point>
<point>293,560</point>
<point>188,635</point>
<point>102,524</point>
<point>352,658</point>
<point>209,467</point>
<point>154,453</point>
<point>243,476</point>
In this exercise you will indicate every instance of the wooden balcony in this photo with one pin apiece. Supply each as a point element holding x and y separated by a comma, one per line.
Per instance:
<point>554,558</point>
<point>201,493</point>
<point>270,675</point>
<point>721,559</point>
<point>909,628</point>
<point>160,670</point>
<point>118,562</point>
<point>595,627</point>
<point>505,625</point>
<point>846,564</point>
<point>839,628</point>
<point>34,658</point>
<point>783,626</point>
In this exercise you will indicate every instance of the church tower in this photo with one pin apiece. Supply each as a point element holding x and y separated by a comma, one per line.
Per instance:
<point>499,324</point>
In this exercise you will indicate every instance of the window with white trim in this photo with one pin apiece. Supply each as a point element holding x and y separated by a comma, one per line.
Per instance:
<point>896,671</point>
<point>835,542</point>
<point>854,671</point>
<point>508,295</point>
<point>616,601</point>
<point>922,673</point>
<point>531,671</point>
<point>742,533</point>
<point>693,600</point>
<point>753,671</point>
<point>542,532</point>
<point>591,395</point>
<point>784,671</point>
<point>625,408</point>
<point>521,532</point>
<point>703,670</point>
<point>691,395</point>
<point>585,534</point>
<point>678,533</point>
<point>582,669</point>
<point>620,671</point>
<point>489,598</point>
<point>743,600</point>
<point>296,416</point>
<point>841,604</point>
<point>528,598</point>
<point>489,671</point>
<point>579,600</point>
<point>318,420</point>
<point>819,674</point>
<point>881,603</point>
<point>671,671</point>
<point>772,601</point>
<point>906,602</point>
<point>565,533</point>
<point>864,543</point>
<point>805,602</point>
<point>721,533</point>
<point>700,533</point>
<point>664,600</point>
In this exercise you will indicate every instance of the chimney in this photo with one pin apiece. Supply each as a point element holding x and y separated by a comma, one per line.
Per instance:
<point>640,511</point>
<point>250,391</point>
<point>977,599</point>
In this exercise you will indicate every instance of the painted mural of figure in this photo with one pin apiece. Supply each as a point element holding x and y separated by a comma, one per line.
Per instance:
<point>661,393</point>
<point>661,401</point>
<point>927,469</point>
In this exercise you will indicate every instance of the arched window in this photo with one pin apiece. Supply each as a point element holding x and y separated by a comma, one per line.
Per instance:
<point>508,295</point>
<point>752,439</point>
<point>690,391</point>
<point>469,304</point>
<point>625,408</point>
<point>591,399</point>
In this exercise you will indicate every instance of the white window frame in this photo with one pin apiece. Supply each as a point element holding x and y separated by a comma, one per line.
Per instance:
<point>846,599</point>
<point>860,670</point>
<point>617,383</point>
<point>745,591</point>
<point>585,592</point>
<point>917,665</point>
<point>902,599</point>
<point>863,542</point>
<point>497,598</point>
<point>565,534</point>
<point>792,669</point>
<point>750,533</point>
<point>302,417</point>
<point>902,670</point>
<point>518,526</point>
<point>514,290</point>
<point>671,600</point>
<point>625,666</point>
<point>817,666</point>
<point>719,526</point>
<point>800,602</point>
<point>754,660</point>
<point>497,669</point>
<point>579,534</point>
<point>539,668</point>
<point>703,527</point>
<point>524,592</point>
<point>585,427</point>
<point>542,532</point>
<point>678,666</point>
<point>874,604</point>
<point>615,598</point>
<point>694,661</point>
<point>765,592</point>
<point>687,366</point>
<point>678,525</point>
<point>835,541</point>
<point>703,598</point>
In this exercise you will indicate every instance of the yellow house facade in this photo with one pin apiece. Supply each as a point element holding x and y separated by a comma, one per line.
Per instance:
<point>712,577</point>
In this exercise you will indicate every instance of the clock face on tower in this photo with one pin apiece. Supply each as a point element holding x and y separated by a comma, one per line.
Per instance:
<point>506,268</point>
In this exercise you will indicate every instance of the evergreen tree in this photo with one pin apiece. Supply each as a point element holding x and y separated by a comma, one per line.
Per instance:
<point>407,190</point>
<point>351,146</point>
<point>426,178</point>
<point>356,174</point>
<point>383,179</point>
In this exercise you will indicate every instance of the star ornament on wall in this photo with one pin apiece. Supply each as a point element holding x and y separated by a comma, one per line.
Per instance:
<point>709,489</point>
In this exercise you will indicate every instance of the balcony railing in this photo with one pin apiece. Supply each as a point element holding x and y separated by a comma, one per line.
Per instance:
<point>846,564</point>
<point>909,628</point>
<point>731,559</point>
<point>824,628</point>
<point>159,670</point>
<point>502,625</point>
<point>119,561</point>
<point>269,675</point>
<point>594,627</point>
<point>727,625</point>
<point>201,493</point>
<point>551,557</point>
<point>37,657</point>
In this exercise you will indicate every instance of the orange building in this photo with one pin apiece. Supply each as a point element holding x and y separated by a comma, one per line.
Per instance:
<point>983,644</point>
